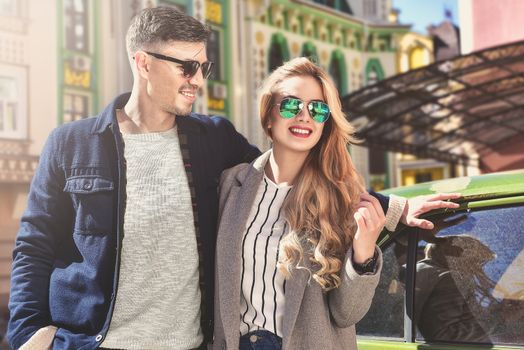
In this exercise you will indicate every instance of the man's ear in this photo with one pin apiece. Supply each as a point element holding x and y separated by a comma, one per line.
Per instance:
<point>142,64</point>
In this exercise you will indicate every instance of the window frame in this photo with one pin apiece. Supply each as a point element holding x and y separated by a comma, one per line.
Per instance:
<point>88,98</point>
<point>19,75</point>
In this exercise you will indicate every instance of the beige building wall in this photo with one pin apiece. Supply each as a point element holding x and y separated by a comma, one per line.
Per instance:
<point>42,53</point>
<point>28,69</point>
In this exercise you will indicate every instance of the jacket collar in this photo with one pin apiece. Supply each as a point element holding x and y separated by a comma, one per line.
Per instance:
<point>256,168</point>
<point>190,123</point>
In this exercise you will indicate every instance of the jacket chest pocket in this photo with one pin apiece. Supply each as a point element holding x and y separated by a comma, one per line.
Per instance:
<point>93,198</point>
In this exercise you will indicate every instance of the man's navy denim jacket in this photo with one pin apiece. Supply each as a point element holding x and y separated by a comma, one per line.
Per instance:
<point>66,258</point>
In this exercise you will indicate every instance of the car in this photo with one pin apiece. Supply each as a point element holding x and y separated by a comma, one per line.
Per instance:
<point>460,285</point>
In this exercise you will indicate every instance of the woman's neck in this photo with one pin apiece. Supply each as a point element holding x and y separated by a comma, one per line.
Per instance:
<point>284,167</point>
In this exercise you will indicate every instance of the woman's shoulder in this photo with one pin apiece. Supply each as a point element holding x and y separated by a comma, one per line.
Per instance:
<point>229,175</point>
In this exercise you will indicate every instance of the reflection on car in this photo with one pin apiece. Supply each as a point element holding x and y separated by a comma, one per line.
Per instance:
<point>460,284</point>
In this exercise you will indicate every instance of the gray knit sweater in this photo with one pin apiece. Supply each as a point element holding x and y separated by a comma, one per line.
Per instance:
<point>158,299</point>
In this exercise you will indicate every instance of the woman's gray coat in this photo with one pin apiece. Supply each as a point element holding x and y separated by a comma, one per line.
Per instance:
<point>313,319</point>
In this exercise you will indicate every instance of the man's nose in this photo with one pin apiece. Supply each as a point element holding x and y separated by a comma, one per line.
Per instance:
<point>198,78</point>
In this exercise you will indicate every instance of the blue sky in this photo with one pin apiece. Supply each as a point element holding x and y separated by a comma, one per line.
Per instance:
<point>422,13</point>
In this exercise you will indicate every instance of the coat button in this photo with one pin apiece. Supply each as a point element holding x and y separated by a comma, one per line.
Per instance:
<point>253,338</point>
<point>87,186</point>
<point>98,337</point>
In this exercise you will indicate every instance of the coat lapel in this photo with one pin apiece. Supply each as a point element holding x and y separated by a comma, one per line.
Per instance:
<point>229,256</point>
<point>230,233</point>
<point>295,287</point>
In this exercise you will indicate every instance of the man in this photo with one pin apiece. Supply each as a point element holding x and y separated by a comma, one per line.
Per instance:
<point>160,190</point>
<point>116,248</point>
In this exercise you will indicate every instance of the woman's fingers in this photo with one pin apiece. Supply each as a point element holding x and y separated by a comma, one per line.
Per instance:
<point>369,207</point>
<point>376,204</point>
<point>361,222</point>
<point>443,196</point>
<point>420,205</point>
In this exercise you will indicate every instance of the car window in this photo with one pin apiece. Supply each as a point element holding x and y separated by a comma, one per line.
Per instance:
<point>385,317</point>
<point>469,284</point>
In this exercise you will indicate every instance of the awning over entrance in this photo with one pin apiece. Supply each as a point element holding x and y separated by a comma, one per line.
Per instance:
<point>455,110</point>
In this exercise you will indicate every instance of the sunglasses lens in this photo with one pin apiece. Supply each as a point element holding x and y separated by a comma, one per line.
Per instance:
<point>319,111</point>
<point>190,68</point>
<point>290,107</point>
<point>207,68</point>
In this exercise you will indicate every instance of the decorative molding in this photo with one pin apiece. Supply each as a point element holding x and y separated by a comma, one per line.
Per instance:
<point>12,48</point>
<point>13,148</point>
<point>17,169</point>
<point>17,25</point>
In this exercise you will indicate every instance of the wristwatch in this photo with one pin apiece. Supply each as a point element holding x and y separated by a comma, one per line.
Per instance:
<point>368,266</point>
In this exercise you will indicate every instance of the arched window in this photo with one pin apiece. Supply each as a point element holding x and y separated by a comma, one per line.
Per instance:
<point>310,51</point>
<point>374,71</point>
<point>417,57</point>
<point>278,51</point>
<point>338,71</point>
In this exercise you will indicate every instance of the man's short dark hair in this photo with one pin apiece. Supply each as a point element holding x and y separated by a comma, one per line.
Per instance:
<point>158,25</point>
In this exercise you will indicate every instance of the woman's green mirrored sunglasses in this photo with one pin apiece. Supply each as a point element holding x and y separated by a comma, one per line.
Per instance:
<point>291,106</point>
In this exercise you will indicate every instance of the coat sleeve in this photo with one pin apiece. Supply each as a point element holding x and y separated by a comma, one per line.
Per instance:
<point>33,255</point>
<point>351,300</point>
<point>393,206</point>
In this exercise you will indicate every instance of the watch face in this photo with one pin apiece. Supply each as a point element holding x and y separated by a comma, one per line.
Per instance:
<point>367,266</point>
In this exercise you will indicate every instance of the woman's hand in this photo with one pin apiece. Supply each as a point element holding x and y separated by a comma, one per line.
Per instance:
<point>419,205</point>
<point>370,220</point>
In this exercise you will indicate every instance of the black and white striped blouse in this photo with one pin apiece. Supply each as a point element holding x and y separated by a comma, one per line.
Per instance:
<point>263,285</point>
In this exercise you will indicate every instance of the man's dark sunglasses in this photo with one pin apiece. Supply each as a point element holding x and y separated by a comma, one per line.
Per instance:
<point>189,67</point>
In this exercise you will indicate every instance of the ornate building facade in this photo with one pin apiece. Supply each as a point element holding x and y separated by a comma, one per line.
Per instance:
<point>355,41</point>
<point>62,60</point>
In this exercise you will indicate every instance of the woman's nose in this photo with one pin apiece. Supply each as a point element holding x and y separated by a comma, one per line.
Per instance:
<point>303,115</point>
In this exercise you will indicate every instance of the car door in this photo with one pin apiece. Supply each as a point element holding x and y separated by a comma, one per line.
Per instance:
<point>459,286</point>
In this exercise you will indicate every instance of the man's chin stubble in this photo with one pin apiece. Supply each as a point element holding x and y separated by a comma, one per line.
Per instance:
<point>183,112</point>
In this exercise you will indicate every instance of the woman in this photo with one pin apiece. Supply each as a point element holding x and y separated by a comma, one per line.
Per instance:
<point>296,260</point>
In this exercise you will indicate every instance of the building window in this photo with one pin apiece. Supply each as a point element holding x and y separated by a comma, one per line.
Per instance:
<point>13,103</point>
<point>310,51</point>
<point>76,28</point>
<point>9,8</point>
<point>276,58</point>
<point>278,51</point>
<point>338,71</point>
<point>8,104</point>
<point>334,71</point>
<point>76,107</point>
<point>374,71</point>
<point>213,54</point>
<point>370,8</point>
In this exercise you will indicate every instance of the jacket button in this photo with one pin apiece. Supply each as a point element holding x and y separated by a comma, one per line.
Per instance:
<point>98,337</point>
<point>87,186</point>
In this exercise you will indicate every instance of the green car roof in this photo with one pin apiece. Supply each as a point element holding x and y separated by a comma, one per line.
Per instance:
<point>510,183</point>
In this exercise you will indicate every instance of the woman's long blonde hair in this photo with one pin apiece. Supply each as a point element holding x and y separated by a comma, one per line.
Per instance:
<point>320,207</point>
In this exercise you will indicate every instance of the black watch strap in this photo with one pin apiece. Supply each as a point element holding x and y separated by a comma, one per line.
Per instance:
<point>368,266</point>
